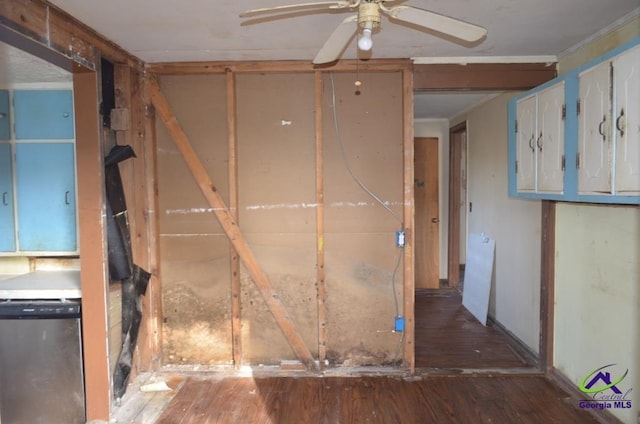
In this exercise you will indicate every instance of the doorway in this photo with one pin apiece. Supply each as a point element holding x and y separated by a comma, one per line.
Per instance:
<point>448,337</point>
<point>457,222</point>
<point>427,220</point>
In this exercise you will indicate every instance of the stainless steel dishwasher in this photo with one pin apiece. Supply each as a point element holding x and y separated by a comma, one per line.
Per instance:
<point>41,367</point>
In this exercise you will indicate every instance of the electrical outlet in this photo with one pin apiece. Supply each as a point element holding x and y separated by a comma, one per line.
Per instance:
<point>400,238</point>
<point>399,325</point>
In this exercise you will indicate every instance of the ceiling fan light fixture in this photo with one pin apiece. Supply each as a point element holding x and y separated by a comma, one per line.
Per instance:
<point>368,19</point>
<point>365,42</point>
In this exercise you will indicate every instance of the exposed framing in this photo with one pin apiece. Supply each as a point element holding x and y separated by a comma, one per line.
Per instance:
<point>236,324</point>
<point>320,276</point>
<point>45,31</point>
<point>404,66</point>
<point>547,285</point>
<point>230,227</point>
<point>58,35</point>
<point>409,359</point>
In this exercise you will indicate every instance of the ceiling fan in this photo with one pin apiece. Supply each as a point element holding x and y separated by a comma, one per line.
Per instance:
<point>368,19</point>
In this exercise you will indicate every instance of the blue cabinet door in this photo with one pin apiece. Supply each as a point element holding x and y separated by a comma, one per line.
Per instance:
<point>45,183</point>
<point>5,127</point>
<point>7,229</point>
<point>43,114</point>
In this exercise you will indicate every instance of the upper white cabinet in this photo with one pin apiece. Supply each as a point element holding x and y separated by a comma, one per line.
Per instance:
<point>540,141</point>
<point>577,137</point>
<point>626,78</point>
<point>608,157</point>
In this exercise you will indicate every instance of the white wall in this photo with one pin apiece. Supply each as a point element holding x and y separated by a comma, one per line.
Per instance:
<point>597,287</point>
<point>513,223</point>
<point>439,128</point>
<point>597,278</point>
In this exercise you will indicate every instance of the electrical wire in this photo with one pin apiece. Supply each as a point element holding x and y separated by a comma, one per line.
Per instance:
<point>346,161</point>
<point>393,282</point>
<point>368,191</point>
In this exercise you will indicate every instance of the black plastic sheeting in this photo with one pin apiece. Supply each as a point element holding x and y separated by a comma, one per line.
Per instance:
<point>121,267</point>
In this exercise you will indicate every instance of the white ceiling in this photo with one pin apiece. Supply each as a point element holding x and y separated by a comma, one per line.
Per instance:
<point>172,30</point>
<point>211,30</point>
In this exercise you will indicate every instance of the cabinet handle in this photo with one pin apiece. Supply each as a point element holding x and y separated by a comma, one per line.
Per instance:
<point>539,142</point>
<point>4,199</point>
<point>618,126</point>
<point>601,129</point>
<point>531,143</point>
<point>66,198</point>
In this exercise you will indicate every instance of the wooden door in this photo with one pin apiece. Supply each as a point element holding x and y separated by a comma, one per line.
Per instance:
<point>427,220</point>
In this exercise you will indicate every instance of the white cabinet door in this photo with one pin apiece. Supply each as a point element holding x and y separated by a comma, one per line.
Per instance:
<point>594,141</point>
<point>627,122</point>
<point>550,139</point>
<point>526,111</point>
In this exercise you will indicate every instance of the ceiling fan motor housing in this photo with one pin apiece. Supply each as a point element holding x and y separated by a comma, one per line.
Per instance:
<point>368,15</point>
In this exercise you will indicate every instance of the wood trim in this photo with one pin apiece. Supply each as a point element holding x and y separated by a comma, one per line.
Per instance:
<point>229,225</point>
<point>547,284</point>
<point>146,180</point>
<point>482,76</point>
<point>57,30</point>
<point>93,249</point>
<point>409,359</point>
<point>560,380</point>
<point>236,307</point>
<point>284,66</point>
<point>519,347</point>
<point>453,234</point>
<point>322,296</point>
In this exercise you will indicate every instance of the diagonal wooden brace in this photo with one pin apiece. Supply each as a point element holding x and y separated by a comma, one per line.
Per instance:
<point>230,227</point>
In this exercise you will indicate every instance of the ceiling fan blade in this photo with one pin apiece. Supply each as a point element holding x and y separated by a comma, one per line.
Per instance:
<point>295,7</point>
<point>441,23</point>
<point>337,42</point>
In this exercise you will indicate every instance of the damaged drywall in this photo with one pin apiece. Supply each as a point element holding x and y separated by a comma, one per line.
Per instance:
<point>276,153</point>
<point>194,252</point>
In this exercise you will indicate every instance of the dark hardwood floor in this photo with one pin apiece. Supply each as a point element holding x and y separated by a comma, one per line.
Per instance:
<point>331,400</point>
<point>448,336</point>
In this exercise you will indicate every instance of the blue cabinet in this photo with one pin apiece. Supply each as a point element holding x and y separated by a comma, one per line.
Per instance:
<point>45,187</point>
<point>43,114</point>
<point>5,127</point>
<point>37,173</point>
<point>7,229</point>
<point>597,120</point>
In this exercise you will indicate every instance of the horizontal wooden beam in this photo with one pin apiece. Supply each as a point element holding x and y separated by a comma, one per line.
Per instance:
<point>285,66</point>
<point>481,76</point>
<point>230,226</point>
<point>59,31</point>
